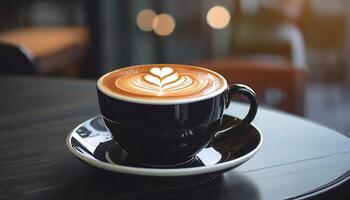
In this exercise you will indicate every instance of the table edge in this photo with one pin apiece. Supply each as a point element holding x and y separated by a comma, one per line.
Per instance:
<point>324,188</point>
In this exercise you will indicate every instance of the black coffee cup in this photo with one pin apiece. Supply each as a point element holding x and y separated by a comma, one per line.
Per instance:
<point>172,133</point>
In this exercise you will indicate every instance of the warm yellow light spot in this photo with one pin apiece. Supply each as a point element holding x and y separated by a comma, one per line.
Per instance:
<point>145,18</point>
<point>218,17</point>
<point>163,24</point>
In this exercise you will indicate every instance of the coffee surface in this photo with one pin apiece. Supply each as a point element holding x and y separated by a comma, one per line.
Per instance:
<point>162,82</point>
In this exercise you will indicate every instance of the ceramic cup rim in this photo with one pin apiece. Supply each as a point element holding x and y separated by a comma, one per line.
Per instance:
<point>162,101</point>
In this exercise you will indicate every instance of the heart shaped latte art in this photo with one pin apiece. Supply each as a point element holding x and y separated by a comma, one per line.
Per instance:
<point>161,77</point>
<point>161,72</point>
<point>162,82</point>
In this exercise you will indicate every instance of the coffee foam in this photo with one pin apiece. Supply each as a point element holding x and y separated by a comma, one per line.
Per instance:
<point>162,83</point>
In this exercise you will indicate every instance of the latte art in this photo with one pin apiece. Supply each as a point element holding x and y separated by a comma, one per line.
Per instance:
<point>162,82</point>
<point>160,77</point>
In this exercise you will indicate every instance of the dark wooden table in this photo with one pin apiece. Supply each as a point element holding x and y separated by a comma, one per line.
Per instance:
<point>298,158</point>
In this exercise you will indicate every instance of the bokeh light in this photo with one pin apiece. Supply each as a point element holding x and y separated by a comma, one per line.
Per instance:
<point>218,17</point>
<point>163,24</point>
<point>145,19</point>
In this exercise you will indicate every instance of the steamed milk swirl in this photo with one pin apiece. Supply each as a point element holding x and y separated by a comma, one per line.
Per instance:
<point>161,82</point>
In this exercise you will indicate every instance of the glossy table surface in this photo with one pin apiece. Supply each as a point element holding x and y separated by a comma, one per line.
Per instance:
<point>297,159</point>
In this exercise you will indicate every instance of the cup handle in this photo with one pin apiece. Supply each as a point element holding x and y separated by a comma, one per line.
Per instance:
<point>250,94</point>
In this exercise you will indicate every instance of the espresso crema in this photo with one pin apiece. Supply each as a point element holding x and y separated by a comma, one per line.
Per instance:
<point>162,82</point>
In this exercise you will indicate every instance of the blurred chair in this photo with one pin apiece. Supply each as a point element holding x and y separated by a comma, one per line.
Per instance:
<point>56,50</point>
<point>267,30</point>
<point>282,43</point>
<point>16,60</point>
<point>277,85</point>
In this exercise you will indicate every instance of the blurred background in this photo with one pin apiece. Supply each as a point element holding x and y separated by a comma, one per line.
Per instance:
<point>294,53</point>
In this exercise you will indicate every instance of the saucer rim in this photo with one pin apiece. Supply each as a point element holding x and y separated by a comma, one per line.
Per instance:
<point>163,172</point>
